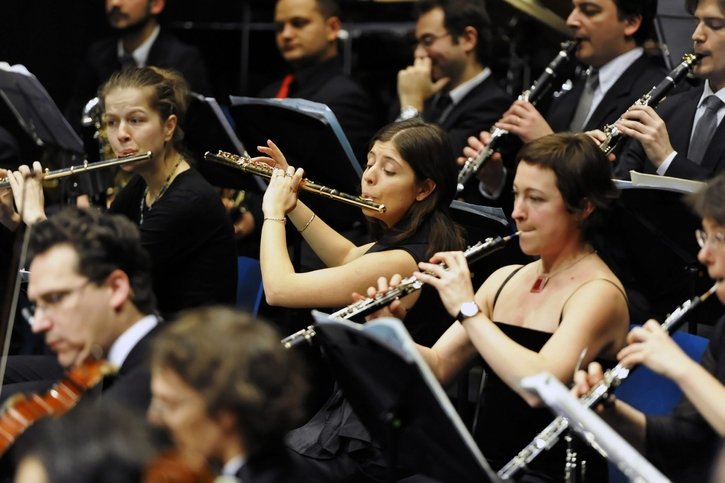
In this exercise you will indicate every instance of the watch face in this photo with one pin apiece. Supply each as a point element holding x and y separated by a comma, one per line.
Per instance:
<point>469,309</point>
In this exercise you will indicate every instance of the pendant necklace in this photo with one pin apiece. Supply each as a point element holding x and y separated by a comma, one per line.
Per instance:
<point>161,192</point>
<point>543,278</point>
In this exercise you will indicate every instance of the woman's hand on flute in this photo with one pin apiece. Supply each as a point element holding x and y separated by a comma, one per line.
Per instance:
<point>453,281</point>
<point>394,309</point>
<point>280,196</point>
<point>27,187</point>
<point>274,156</point>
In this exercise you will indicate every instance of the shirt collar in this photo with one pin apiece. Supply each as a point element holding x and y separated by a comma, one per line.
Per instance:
<point>231,467</point>
<point>141,54</point>
<point>707,91</point>
<point>610,72</point>
<point>128,340</point>
<point>462,90</point>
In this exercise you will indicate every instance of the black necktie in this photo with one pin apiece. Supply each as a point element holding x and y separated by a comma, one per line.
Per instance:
<point>127,61</point>
<point>585,101</point>
<point>440,108</point>
<point>706,126</point>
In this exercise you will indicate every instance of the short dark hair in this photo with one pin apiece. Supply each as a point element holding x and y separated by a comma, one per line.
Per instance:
<point>427,149</point>
<point>582,173</point>
<point>459,14</point>
<point>647,9</point>
<point>709,201</point>
<point>236,363</point>
<point>169,93</point>
<point>103,243</point>
<point>329,8</point>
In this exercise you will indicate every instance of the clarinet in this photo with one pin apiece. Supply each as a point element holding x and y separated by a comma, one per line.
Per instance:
<point>611,380</point>
<point>407,286</point>
<point>656,95</point>
<point>540,88</point>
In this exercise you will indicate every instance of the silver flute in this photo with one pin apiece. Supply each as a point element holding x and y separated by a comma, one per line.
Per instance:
<point>85,167</point>
<point>611,380</point>
<point>407,286</point>
<point>652,98</point>
<point>540,88</point>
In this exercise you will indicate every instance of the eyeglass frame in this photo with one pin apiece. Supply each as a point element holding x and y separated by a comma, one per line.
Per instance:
<point>718,239</point>
<point>57,298</point>
<point>427,40</point>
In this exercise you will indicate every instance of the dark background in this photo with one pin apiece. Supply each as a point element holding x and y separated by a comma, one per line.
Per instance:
<point>50,38</point>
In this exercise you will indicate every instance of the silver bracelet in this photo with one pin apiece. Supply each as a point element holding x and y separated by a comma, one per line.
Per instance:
<point>270,218</point>
<point>307,225</point>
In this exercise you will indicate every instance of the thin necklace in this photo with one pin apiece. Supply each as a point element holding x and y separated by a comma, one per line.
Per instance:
<point>161,192</point>
<point>543,278</point>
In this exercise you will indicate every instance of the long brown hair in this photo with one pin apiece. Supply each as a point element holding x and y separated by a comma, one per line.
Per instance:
<point>426,148</point>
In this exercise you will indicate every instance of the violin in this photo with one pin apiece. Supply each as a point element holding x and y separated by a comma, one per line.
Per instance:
<point>171,466</point>
<point>22,411</point>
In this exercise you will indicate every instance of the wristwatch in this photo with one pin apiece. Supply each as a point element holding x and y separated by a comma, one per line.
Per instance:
<point>468,309</point>
<point>407,112</point>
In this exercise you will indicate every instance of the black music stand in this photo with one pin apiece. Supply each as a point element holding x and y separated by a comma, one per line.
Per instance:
<point>42,133</point>
<point>207,128</point>
<point>310,137</point>
<point>399,400</point>
<point>655,230</point>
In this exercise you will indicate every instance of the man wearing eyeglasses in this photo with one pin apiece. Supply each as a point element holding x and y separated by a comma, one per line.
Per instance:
<point>685,442</point>
<point>449,83</point>
<point>90,289</point>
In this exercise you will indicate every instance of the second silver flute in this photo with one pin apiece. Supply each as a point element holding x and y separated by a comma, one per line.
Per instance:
<point>85,167</point>
<point>611,380</point>
<point>245,164</point>
<point>407,286</point>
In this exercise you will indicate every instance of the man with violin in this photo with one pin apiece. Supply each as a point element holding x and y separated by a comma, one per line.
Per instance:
<point>90,288</point>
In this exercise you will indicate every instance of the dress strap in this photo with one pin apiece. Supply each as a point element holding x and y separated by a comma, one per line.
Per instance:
<point>498,292</point>
<point>626,300</point>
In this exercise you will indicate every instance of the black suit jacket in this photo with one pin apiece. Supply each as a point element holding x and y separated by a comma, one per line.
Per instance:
<point>476,112</point>
<point>678,112</point>
<point>328,84</point>
<point>102,60</point>
<point>130,387</point>
<point>634,82</point>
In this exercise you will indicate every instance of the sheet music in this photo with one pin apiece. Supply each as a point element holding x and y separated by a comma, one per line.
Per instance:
<point>592,428</point>
<point>669,183</point>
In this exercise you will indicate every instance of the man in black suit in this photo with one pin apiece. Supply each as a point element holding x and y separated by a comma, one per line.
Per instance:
<point>90,285</point>
<point>140,41</point>
<point>611,33</point>
<point>677,139</point>
<point>227,391</point>
<point>449,83</point>
<point>307,32</point>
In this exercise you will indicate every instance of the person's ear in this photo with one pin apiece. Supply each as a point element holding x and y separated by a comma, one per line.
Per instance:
<point>425,189</point>
<point>120,286</point>
<point>156,6</point>
<point>334,26</point>
<point>170,127</point>
<point>632,25</point>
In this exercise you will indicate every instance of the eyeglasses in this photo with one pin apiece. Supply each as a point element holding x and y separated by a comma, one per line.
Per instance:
<point>50,302</point>
<point>427,40</point>
<point>718,239</point>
